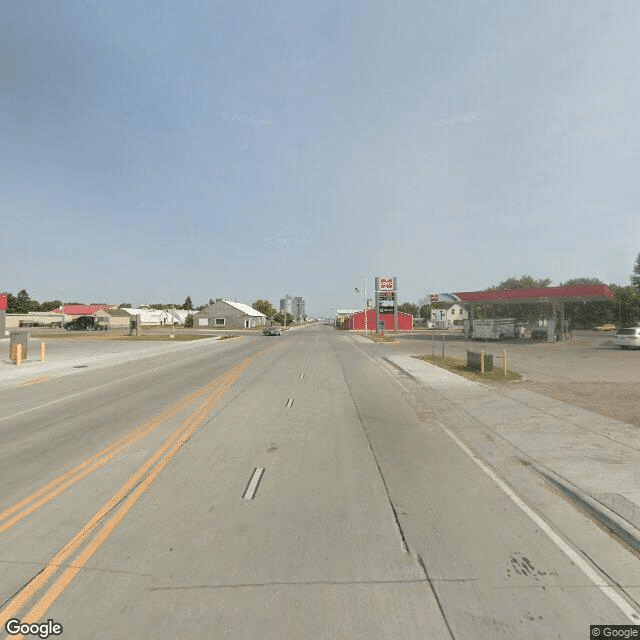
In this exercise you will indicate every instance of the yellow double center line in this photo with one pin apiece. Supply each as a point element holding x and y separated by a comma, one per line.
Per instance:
<point>28,505</point>
<point>112,513</point>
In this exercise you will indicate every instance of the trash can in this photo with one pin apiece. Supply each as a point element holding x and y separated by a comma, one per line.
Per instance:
<point>18,338</point>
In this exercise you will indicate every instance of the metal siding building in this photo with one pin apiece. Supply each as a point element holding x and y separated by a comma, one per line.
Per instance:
<point>225,314</point>
<point>355,322</point>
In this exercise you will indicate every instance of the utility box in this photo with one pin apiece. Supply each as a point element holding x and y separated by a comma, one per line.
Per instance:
<point>473,360</point>
<point>135,325</point>
<point>18,338</point>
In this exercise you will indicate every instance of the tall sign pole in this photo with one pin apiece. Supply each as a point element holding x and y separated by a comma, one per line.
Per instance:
<point>386,300</point>
<point>395,305</point>
<point>377,302</point>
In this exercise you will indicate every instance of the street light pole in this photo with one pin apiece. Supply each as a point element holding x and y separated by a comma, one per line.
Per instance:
<point>364,280</point>
<point>173,315</point>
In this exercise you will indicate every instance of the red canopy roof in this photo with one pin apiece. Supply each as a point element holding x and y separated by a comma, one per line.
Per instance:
<point>540,294</point>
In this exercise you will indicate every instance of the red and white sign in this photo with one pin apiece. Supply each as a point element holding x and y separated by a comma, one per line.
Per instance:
<point>435,297</point>
<point>386,284</point>
<point>3,301</point>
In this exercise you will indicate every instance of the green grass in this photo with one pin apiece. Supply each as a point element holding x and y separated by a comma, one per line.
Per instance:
<point>459,366</point>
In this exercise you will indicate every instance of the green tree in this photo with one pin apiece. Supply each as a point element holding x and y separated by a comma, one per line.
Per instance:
<point>425,308</point>
<point>625,309</point>
<point>188,321</point>
<point>574,282</point>
<point>188,305</point>
<point>264,306</point>
<point>524,282</point>
<point>409,307</point>
<point>50,305</point>
<point>278,318</point>
<point>635,276</point>
<point>425,311</point>
<point>20,304</point>
<point>125,305</point>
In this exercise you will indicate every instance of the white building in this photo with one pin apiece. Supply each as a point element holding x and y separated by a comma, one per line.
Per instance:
<point>177,316</point>
<point>452,316</point>
<point>147,315</point>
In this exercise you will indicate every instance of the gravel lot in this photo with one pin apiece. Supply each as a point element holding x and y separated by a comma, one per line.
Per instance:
<point>588,371</point>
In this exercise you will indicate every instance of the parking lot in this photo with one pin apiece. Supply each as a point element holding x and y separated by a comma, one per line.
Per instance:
<point>587,370</point>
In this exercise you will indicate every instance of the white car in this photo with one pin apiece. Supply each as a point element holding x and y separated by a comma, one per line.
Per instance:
<point>627,338</point>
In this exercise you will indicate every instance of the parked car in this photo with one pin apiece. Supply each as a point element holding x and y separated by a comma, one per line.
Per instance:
<point>84,323</point>
<point>605,327</point>
<point>628,338</point>
<point>272,331</point>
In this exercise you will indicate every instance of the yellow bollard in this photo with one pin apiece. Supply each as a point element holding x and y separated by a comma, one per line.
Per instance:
<point>18,354</point>
<point>482,361</point>
<point>42,350</point>
<point>504,361</point>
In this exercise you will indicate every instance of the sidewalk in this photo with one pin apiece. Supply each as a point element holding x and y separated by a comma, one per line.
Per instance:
<point>597,457</point>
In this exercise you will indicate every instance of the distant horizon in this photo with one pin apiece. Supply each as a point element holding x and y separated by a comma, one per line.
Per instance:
<point>179,305</point>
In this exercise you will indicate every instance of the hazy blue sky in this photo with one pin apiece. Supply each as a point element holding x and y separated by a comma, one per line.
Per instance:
<point>253,149</point>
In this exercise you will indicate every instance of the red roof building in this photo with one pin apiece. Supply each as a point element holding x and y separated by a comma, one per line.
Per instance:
<point>355,322</point>
<point>83,309</point>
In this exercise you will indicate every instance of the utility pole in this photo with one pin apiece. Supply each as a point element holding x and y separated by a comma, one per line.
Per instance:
<point>364,280</point>
<point>173,315</point>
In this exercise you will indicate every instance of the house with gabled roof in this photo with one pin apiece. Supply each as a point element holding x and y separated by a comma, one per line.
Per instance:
<point>224,314</point>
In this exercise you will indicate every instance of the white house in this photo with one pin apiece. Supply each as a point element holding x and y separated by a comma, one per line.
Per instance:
<point>454,315</point>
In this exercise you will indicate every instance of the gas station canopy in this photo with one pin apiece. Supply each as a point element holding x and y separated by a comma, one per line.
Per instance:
<point>591,292</point>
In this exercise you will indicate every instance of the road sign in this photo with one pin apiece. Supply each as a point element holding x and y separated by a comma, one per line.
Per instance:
<point>434,297</point>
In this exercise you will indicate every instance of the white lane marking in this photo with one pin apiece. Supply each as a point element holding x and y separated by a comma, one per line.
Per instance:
<point>254,482</point>
<point>102,386</point>
<point>289,403</point>
<point>569,551</point>
<point>565,547</point>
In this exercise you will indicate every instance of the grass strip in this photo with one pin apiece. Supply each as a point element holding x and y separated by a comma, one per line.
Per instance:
<point>459,366</point>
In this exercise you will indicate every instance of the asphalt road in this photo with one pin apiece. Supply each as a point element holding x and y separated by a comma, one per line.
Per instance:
<point>282,487</point>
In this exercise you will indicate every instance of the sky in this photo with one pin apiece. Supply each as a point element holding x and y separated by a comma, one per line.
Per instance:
<point>247,150</point>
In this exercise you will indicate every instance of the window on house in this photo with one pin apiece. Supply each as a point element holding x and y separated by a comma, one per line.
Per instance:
<point>219,321</point>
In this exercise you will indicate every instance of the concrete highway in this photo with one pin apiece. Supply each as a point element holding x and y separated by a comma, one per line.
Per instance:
<point>286,487</point>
